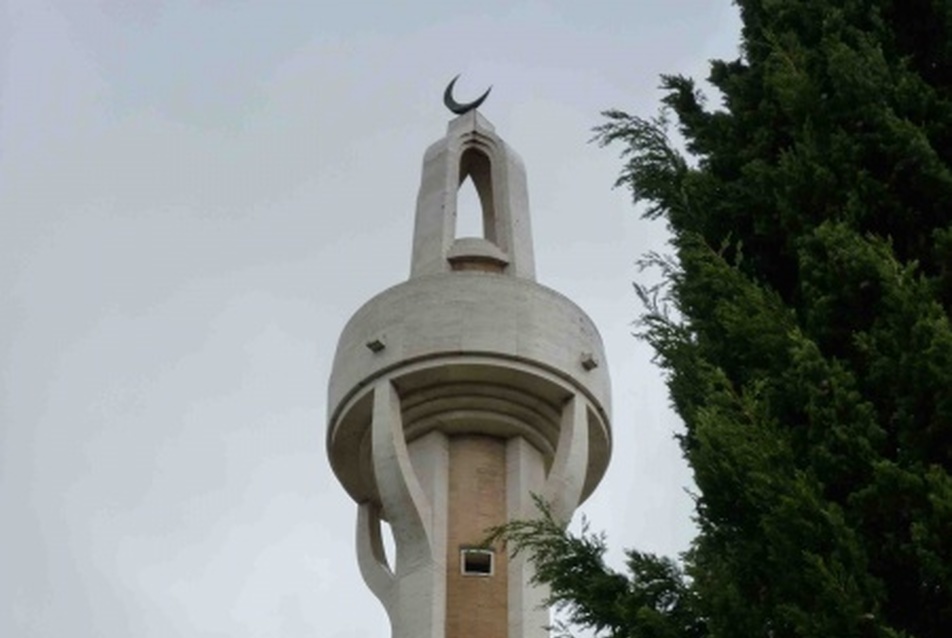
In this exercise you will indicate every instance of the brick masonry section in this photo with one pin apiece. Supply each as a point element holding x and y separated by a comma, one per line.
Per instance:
<point>476,606</point>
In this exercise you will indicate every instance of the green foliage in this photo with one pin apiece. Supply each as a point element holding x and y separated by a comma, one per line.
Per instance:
<point>653,600</point>
<point>804,327</point>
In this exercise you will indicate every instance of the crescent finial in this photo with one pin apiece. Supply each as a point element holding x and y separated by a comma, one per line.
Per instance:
<point>455,106</point>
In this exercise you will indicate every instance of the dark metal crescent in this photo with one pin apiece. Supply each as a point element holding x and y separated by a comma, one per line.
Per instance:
<point>455,106</point>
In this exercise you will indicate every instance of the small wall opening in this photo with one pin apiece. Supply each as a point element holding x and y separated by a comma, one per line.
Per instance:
<point>469,211</point>
<point>476,562</point>
<point>389,545</point>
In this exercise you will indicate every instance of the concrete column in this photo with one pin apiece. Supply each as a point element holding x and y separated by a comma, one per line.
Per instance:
<point>525,475</point>
<point>561,489</point>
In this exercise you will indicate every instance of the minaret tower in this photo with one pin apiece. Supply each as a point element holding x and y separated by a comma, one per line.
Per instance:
<point>457,395</point>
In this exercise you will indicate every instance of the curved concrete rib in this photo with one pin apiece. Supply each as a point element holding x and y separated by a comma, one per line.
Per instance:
<point>416,601</point>
<point>371,556</point>
<point>563,486</point>
<point>404,502</point>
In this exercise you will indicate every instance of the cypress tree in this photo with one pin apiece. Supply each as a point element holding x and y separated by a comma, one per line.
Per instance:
<point>804,327</point>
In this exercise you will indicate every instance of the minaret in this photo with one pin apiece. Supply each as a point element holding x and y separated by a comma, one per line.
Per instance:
<point>457,395</point>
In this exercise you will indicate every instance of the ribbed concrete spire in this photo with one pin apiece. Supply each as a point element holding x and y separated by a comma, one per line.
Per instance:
<point>459,393</point>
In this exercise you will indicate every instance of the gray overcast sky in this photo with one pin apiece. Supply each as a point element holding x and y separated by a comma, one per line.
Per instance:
<point>194,198</point>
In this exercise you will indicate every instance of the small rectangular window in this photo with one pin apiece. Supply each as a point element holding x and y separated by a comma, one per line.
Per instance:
<point>476,562</point>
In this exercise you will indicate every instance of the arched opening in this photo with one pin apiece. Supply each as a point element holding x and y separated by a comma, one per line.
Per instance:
<point>475,194</point>
<point>476,245</point>
<point>389,545</point>
<point>469,211</point>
